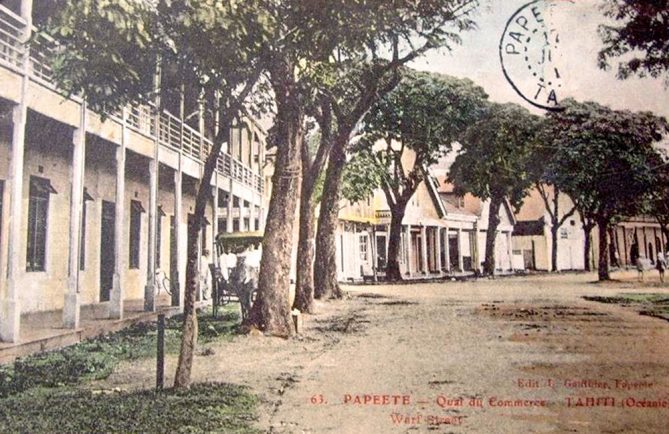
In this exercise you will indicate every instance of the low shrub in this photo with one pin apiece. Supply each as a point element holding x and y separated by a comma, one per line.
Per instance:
<point>96,358</point>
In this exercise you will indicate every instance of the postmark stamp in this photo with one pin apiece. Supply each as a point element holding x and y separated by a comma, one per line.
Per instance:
<point>530,56</point>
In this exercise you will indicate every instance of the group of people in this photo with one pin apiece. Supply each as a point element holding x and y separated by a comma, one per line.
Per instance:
<point>660,266</point>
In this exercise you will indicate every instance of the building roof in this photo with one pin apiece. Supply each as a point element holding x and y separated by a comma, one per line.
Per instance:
<point>453,209</point>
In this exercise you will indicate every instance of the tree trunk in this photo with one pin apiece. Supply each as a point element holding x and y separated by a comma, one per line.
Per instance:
<point>304,288</point>
<point>189,327</point>
<point>325,271</point>
<point>554,250</point>
<point>393,272</point>
<point>603,269</point>
<point>189,331</point>
<point>587,230</point>
<point>491,235</point>
<point>271,310</point>
<point>311,170</point>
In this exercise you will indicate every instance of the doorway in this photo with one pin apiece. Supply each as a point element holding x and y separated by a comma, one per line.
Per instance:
<point>107,253</point>
<point>381,253</point>
<point>454,252</point>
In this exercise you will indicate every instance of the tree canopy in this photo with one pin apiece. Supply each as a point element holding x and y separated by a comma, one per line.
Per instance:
<point>639,39</point>
<point>496,162</point>
<point>497,154</point>
<point>407,131</point>
<point>605,160</point>
<point>426,114</point>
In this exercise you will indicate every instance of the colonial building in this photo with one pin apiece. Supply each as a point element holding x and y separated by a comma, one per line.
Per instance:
<point>442,235</point>
<point>91,205</point>
<point>468,217</point>
<point>532,234</point>
<point>632,238</point>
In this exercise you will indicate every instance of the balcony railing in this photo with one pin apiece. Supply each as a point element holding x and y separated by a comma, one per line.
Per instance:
<point>173,133</point>
<point>382,214</point>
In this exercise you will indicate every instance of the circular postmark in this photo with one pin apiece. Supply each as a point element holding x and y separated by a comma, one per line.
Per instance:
<point>529,52</point>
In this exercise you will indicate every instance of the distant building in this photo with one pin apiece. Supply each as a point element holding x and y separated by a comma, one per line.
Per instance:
<point>442,234</point>
<point>629,239</point>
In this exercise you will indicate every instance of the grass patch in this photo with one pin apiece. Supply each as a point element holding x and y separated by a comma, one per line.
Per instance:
<point>96,358</point>
<point>651,304</point>
<point>202,408</point>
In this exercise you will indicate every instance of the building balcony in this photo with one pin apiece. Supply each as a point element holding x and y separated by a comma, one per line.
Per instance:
<point>382,215</point>
<point>170,131</point>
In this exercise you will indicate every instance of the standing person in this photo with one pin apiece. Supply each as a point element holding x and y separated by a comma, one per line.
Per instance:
<point>205,276</point>
<point>639,268</point>
<point>661,265</point>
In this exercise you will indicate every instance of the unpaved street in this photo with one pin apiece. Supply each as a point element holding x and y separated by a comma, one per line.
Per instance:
<point>507,355</point>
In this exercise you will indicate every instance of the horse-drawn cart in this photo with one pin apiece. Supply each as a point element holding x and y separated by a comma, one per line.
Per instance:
<point>235,270</point>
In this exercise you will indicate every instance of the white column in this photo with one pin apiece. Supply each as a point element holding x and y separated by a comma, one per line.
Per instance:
<point>438,243</point>
<point>423,246</point>
<point>461,262</point>
<point>229,220</point>
<point>178,280</point>
<point>241,213</point>
<point>253,216</point>
<point>474,249</point>
<point>214,223</point>
<point>10,309</point>
<point>509,249</point>
<point>71,307</point>
<point>118,289</point>
<point>409,252</point>
<point>447,251</point>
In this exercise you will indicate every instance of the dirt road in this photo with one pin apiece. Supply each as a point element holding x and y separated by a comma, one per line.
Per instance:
<point>507,355</point>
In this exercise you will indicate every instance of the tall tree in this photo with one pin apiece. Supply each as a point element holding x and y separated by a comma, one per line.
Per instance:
<point>640,38</point>
<point>402,31</point>
<point>407,131</point>
<point>314,156</point>
<point>606,162</point>
<point>496,162</point>
<point>550,195</point>
<point>113,51</point>
<point>658,204</point>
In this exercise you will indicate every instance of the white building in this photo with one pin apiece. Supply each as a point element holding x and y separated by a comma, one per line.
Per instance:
<point>84,201</point>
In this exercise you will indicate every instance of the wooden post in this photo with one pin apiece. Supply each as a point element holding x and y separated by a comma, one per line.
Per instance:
<point>154,167</point>
<point>160,353</point>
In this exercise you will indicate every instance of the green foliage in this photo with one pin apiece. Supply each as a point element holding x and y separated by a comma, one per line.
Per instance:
<point>426,113</point>
<point>202,408</point>
<point>603,158</point>
<point>96,358</point>
<point>112,48</point>
<point>640,37</point>
<point>498,154</point>
<point>361,177</point>
<point>658,199</point>
<point>68,366</point>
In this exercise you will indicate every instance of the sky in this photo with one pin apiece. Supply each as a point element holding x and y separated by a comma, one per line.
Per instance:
<point>576,23</point>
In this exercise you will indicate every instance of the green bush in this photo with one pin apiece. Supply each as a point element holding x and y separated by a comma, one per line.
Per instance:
<point>202,408</point>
